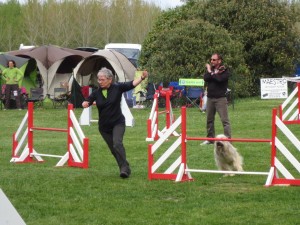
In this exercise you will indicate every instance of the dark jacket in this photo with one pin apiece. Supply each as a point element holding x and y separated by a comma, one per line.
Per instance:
<point>217,84</point>
<point>109,109</point>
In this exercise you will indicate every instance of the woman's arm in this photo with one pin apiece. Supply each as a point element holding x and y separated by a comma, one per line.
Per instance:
<point>89,100</point>
<point>139,80</point>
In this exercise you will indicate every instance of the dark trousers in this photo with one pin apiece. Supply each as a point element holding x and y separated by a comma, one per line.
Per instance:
<point>12,89</point>
<point>219,105</point>
<point>114,140</point>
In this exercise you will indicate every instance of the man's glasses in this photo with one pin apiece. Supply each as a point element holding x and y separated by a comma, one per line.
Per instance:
<point>214,59</point>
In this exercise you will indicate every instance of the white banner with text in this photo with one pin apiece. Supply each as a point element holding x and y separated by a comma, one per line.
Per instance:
<point>273,88</point>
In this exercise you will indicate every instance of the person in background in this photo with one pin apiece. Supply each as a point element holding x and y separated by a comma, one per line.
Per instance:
<point>111,120</point>
<point>204,101</point>
<point>12,75</point>
<point>216,78</point>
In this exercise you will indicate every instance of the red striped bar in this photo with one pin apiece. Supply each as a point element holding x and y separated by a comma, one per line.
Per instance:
<point>49,129</point>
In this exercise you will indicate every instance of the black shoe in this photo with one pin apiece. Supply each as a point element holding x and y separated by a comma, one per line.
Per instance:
<point>124,174</point>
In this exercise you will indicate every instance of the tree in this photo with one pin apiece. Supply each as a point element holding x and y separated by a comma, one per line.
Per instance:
<point>179,48</point>
<point>90,23</point>
<point>9,24</point>
<point>87,23</point>
<point>264,30</point>
<point>32,11</point>
<point>131,20</point>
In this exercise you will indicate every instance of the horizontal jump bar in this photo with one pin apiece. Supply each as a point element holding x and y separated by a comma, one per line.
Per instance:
<point>228,139</point>
<point>161,112</point>
<point>49,129</point>
<point>46,155</point>
<point>227,172</point>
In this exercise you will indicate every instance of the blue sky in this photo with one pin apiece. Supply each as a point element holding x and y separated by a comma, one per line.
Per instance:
<point>164,4</point>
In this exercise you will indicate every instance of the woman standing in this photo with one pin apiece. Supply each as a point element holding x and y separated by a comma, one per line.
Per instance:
<point>12,75</point>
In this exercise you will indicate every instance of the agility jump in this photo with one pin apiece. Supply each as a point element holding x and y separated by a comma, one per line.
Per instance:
<point>289,110</point>
<point>184,173</point>
<point>153,132</point>
<point>78,144</point>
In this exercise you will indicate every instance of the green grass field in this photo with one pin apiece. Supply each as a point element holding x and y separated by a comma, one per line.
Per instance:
<point>45,194</point>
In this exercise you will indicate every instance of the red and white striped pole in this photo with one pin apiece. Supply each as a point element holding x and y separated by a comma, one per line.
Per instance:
<point>183,136</point>
<point>168,109</point>
<point>30,131</point>
<point>70,124</point>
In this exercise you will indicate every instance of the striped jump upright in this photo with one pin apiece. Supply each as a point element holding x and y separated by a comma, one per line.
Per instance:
<point>23,150</point>
<point>153,132</point>
<point>284,169</point>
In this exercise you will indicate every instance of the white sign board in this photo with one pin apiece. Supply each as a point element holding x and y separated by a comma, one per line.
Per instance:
<point>273,88</point>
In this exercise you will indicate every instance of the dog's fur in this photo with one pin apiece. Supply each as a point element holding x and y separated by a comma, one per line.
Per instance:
<point>226,156</point>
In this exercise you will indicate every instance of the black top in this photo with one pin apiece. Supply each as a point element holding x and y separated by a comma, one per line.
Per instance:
<point>217,84</point>
<point>109,109</point>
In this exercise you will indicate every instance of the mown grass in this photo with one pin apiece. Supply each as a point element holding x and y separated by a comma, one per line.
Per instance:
<point>44,194</point>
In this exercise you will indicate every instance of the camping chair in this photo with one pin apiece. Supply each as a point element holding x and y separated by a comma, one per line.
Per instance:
<point>163,95</point>
<point>36,96</point>
<point>228,96</point>
<point>177,94</point>
<point>60,97</point>
<point>151,88</point>
<point>140,99</point>
<point>194,97</point>
<point>130,99</point>
<point>2,95</point>
<point>12,102</point>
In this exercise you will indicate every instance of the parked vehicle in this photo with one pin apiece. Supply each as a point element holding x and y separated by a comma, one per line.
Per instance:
<point>131,51</point>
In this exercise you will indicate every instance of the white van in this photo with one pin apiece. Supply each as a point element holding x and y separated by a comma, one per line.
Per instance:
<point>131,51</point>
<point>22,46</point>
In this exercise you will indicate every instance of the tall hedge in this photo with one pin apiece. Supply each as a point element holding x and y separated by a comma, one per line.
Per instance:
<point>258,38</point>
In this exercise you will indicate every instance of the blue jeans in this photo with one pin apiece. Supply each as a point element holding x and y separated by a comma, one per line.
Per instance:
<point>219,105</point>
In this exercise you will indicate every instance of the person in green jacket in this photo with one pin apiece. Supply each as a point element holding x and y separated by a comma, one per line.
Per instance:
<point>12,75</point>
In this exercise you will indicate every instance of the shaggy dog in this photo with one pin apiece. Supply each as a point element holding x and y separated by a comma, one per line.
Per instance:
<point>226,156</point>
